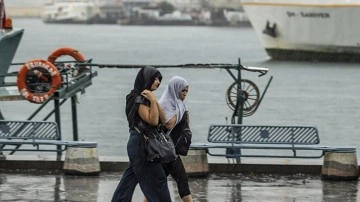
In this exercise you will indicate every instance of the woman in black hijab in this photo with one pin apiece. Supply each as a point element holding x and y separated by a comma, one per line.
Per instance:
<point>143,113</point>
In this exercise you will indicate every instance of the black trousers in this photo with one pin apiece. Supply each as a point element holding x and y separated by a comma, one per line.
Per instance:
<point>150,176</point>
<point>177,171</point>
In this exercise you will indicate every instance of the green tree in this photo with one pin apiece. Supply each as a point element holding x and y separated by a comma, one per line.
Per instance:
<point>166,7</point>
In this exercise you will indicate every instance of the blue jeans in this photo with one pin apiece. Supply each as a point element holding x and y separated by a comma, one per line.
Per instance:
<point>150,176</point>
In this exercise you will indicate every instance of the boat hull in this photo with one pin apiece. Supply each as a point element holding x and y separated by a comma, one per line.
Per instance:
<point>307,30</point>
<point>9,42</point>
<point>300,55</point>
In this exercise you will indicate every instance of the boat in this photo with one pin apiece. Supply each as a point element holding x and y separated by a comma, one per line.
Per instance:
<point>68,11</point>
<point>9,41</point>
<point>307,30</point>
<point>82,11</point>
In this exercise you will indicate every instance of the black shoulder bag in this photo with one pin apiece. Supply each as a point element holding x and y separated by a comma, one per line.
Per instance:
<point>181,136</point>
<point>158,145</point>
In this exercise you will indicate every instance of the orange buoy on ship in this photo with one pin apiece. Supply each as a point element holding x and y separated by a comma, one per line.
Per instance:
<point>8,24</point>
<point>65,51</point>
<point>37,80</point>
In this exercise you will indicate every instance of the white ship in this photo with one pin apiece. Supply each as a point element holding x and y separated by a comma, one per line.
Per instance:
<point>82,11</point>
<point>323,30</point>
<point>68,11</point>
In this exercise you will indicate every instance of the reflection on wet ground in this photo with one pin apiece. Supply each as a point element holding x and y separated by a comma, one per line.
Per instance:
<point>216,188</point>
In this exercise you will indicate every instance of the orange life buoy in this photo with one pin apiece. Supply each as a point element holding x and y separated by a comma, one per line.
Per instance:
<point>46,72</point>
<point>66,51</point>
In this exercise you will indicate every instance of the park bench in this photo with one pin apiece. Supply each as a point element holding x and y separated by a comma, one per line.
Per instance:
<point>236,140</point>
<point>40,136</point>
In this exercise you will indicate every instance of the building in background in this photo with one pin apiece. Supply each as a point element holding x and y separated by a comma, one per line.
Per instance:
<point>185,5</point>
<point>225,4</point>
<point>219,12</point>
<point>228,12</point>
<point>190,12</point>
<point>24,8</point>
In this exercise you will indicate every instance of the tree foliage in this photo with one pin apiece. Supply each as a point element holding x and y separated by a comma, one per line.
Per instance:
<point>166,7</point>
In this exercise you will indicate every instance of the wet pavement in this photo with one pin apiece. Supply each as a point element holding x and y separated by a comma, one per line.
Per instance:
<point>214,188</point>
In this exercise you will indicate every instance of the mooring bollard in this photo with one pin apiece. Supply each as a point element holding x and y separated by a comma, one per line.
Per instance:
<point>196,163</point>
<point>81,161</point>
<point>340,165</point>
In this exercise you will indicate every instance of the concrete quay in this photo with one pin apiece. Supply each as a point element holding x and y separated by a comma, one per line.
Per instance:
<point>37,178</point>
<point>216,164</point>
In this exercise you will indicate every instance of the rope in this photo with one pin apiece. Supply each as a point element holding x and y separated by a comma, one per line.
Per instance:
<point>200,65</point>
<point>162,66</point>
<point>88,63</point>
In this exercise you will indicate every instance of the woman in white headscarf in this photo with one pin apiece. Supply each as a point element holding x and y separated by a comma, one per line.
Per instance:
<point>172,103</point>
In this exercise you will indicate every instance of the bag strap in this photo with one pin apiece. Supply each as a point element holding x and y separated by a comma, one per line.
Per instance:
<point>137,129</point>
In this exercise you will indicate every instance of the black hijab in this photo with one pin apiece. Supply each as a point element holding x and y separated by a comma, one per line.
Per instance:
<point>144,79</point>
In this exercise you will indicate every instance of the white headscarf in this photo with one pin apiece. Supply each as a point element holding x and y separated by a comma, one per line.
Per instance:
<point>170,102</point>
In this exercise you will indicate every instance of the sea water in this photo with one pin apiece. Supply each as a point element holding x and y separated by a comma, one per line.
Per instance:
<point>325,95</point>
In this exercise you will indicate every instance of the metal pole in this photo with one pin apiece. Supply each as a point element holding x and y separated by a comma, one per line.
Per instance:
<point>240,109</point>
<point>58,122</point>
<point>40,108</point>
<point>240,95</point>
<point>74,118</point>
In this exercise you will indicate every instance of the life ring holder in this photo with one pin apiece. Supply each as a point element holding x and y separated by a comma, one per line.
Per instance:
<point>66,51</point>
<point>38,67</point>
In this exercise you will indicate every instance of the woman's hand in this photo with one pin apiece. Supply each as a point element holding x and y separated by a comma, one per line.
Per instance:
<point>149,114</point>
<point>187,113</point>
<point>148,95</point>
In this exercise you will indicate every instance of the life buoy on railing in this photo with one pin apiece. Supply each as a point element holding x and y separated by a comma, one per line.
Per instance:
<point>37,80</point>
<point>66,51</point>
